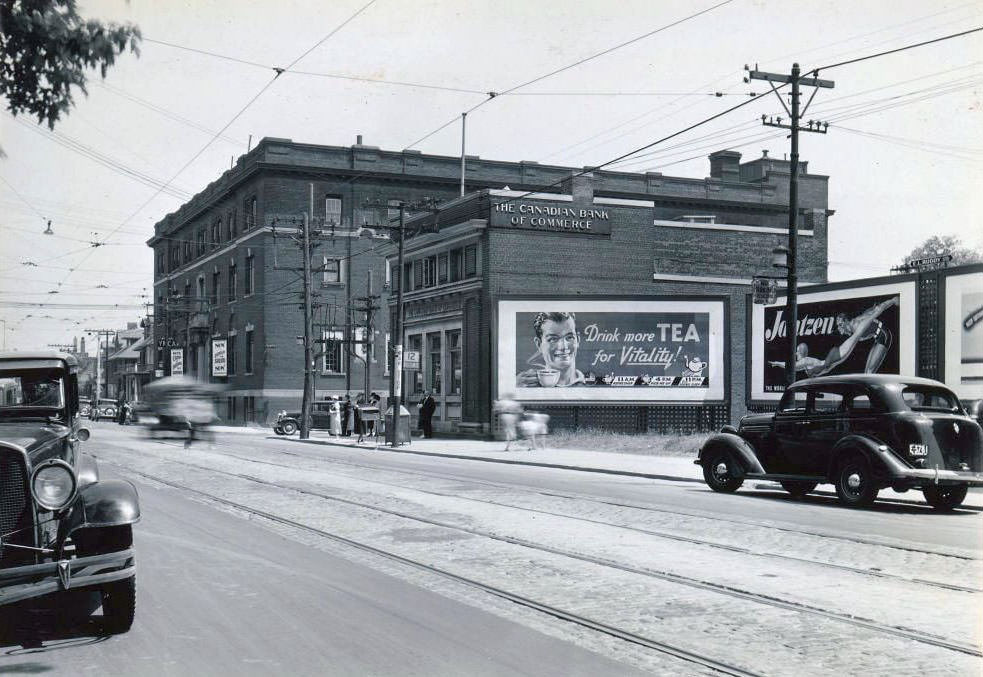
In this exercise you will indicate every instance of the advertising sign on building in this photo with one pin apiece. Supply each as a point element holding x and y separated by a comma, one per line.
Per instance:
<point>611,350</point>
<point>964,334</point>
<point>177,361</point>
<point>220,357</point>
<point>845,331</point>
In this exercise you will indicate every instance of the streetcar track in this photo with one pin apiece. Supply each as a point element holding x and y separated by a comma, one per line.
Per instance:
<point>648,532</point>
<point>905,633</point>
<point>648,507</point>
<point>556,612</point>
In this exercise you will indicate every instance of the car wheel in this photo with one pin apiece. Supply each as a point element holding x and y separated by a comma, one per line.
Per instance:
<point>798,489</point>
<point>289,427</point>
<point>718,472</point>
<point>945,498</point>
<point>855,483</point>
<point>118,597</point>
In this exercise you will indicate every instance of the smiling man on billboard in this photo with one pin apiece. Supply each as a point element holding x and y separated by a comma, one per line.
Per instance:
<point>555,359</point>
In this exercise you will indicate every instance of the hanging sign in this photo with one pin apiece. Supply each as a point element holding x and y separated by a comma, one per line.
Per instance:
<point>177,361</point>
<point>220,357</point>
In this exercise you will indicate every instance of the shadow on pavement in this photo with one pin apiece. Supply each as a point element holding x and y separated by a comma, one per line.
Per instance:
<point>43,626</point>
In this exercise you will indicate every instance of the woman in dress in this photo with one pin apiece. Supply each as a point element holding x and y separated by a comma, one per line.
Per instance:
<point>335,417</point>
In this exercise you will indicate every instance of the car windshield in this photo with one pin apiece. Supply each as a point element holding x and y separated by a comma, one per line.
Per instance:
<point>23,391</point>
<point>928,398</point>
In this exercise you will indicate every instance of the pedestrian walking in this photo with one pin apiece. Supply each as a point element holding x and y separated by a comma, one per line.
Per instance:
<point>121,411</point>
<point>346,416</point>
<point>534,428</point>
<point>359,428</point>
<point>336,417</point>
<point>427,408</point>
<point>508,411</point>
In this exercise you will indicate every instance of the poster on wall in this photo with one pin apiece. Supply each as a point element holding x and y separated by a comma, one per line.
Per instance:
<point>220,357</point>
<point>964,334</point>
<point>177,361</point>
<point>844,331</point>
<point>611,350</point>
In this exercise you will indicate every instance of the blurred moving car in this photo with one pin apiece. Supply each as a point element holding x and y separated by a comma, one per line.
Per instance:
<point>103,408</point>
<point>63,528</point>
<point>861,433</point>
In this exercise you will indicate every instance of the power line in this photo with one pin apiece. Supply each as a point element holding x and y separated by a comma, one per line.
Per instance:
<point>237,116</point>
<point>895,51</point>
<point>492,95</point>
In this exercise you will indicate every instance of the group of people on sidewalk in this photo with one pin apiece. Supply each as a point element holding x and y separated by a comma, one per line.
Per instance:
<point>346,416</point>
<point>519,424</point>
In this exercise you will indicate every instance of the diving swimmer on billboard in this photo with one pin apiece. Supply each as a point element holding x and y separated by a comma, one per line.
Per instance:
<point>864,327</point>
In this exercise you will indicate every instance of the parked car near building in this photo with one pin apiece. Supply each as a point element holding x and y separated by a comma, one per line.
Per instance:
<point>85,407</point>
<point>103,408</point>
<point>62,527</point>
<point>861,433</point>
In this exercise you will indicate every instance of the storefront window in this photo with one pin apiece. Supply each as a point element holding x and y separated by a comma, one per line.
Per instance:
<point>433,344</point>
<point>416,343</point>
<point>454,352</point>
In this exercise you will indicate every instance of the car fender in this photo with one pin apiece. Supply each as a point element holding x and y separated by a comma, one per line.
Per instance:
<point>88,471</point>
<point>880,456</point>
<point>741,449</point>
<point>291,419</point>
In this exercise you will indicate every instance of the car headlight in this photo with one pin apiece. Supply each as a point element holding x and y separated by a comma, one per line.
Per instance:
<point>53,485</point>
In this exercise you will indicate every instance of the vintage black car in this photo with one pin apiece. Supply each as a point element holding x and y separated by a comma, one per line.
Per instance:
<point>103,408</point>
<point>861,433</point>
<point>61,527</point>
<point>288,422</point>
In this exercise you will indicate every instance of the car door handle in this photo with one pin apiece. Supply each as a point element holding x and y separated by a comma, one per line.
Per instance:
<point>802,422</point>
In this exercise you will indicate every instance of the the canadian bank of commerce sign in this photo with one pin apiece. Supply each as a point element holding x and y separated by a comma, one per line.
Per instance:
<point>611,350</point>
<point>552,217</point>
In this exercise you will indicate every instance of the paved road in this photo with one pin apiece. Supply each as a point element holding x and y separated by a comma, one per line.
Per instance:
<point>913,525</point>
<point>218,595</point>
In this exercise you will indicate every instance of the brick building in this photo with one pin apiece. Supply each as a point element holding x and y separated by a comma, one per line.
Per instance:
<point>223,260</point>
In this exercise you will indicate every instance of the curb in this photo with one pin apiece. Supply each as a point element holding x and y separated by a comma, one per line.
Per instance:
<point>578,468</point>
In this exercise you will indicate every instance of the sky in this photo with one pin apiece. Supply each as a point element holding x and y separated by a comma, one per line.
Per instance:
<point>903,149</point>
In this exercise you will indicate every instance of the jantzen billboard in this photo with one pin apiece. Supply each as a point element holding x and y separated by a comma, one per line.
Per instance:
<point>612,350</point>
<point>964,334</point>
<point>860,329</point>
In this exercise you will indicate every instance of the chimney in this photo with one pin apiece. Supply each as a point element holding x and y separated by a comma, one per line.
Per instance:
<point>580,186</point>
<point>725,165</point>
<point>358,140</point>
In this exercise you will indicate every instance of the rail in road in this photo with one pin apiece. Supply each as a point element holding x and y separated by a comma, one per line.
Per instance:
<point>645,507</point>
<point>572,617</point>
<point>917,636</point>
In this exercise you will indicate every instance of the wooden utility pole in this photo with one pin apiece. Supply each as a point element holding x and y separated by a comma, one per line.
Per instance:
<point>791,291</point>
<point>305,407</point>
<point>105,366</point>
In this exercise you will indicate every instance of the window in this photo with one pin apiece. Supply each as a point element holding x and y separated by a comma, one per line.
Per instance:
<point>442,269</point>
<point>216,232</point>
<point>392,211</point>
<point>332,270</point>
<point>233,280</point>
<point>187,290</point>
<point>827,402</point>
<point>430,271</point>
<point>249,351</point>
<point>860,404</point>
<point>189,248</point>
<point>418,274</point>
<point>415,342</point>
<point>250,212</point>
<point>235,222</point>
<point>201,242</point>
<point>793,402</point>
<point>228,227</point>
<point>471,261</point>
<point>332,212</point>
<point>216,282</point>
<point>407,276</point>
<point>231,356</point>
<point>923,398</point>
<point>433,344</point>
<point>250,273</point>
<point>161,268</point>
<point>332,342</point>
<point>454,353</point>
<point>456,265</point>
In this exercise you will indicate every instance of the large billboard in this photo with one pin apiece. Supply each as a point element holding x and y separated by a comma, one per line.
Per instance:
<point>851,330</point>
<point>964,334</point>
<point>611,350</point>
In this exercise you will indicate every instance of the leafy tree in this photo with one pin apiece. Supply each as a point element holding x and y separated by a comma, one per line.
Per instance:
<point>946,244</point>
<point>46,47</point>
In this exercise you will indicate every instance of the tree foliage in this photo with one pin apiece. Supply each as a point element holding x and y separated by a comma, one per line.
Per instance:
<point>46,47</point>
<point>946,244</point>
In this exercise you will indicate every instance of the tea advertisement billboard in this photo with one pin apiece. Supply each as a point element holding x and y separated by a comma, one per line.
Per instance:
<point>611,350</point>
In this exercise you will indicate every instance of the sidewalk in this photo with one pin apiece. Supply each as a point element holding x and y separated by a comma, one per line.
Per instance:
<point>673,468</point>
